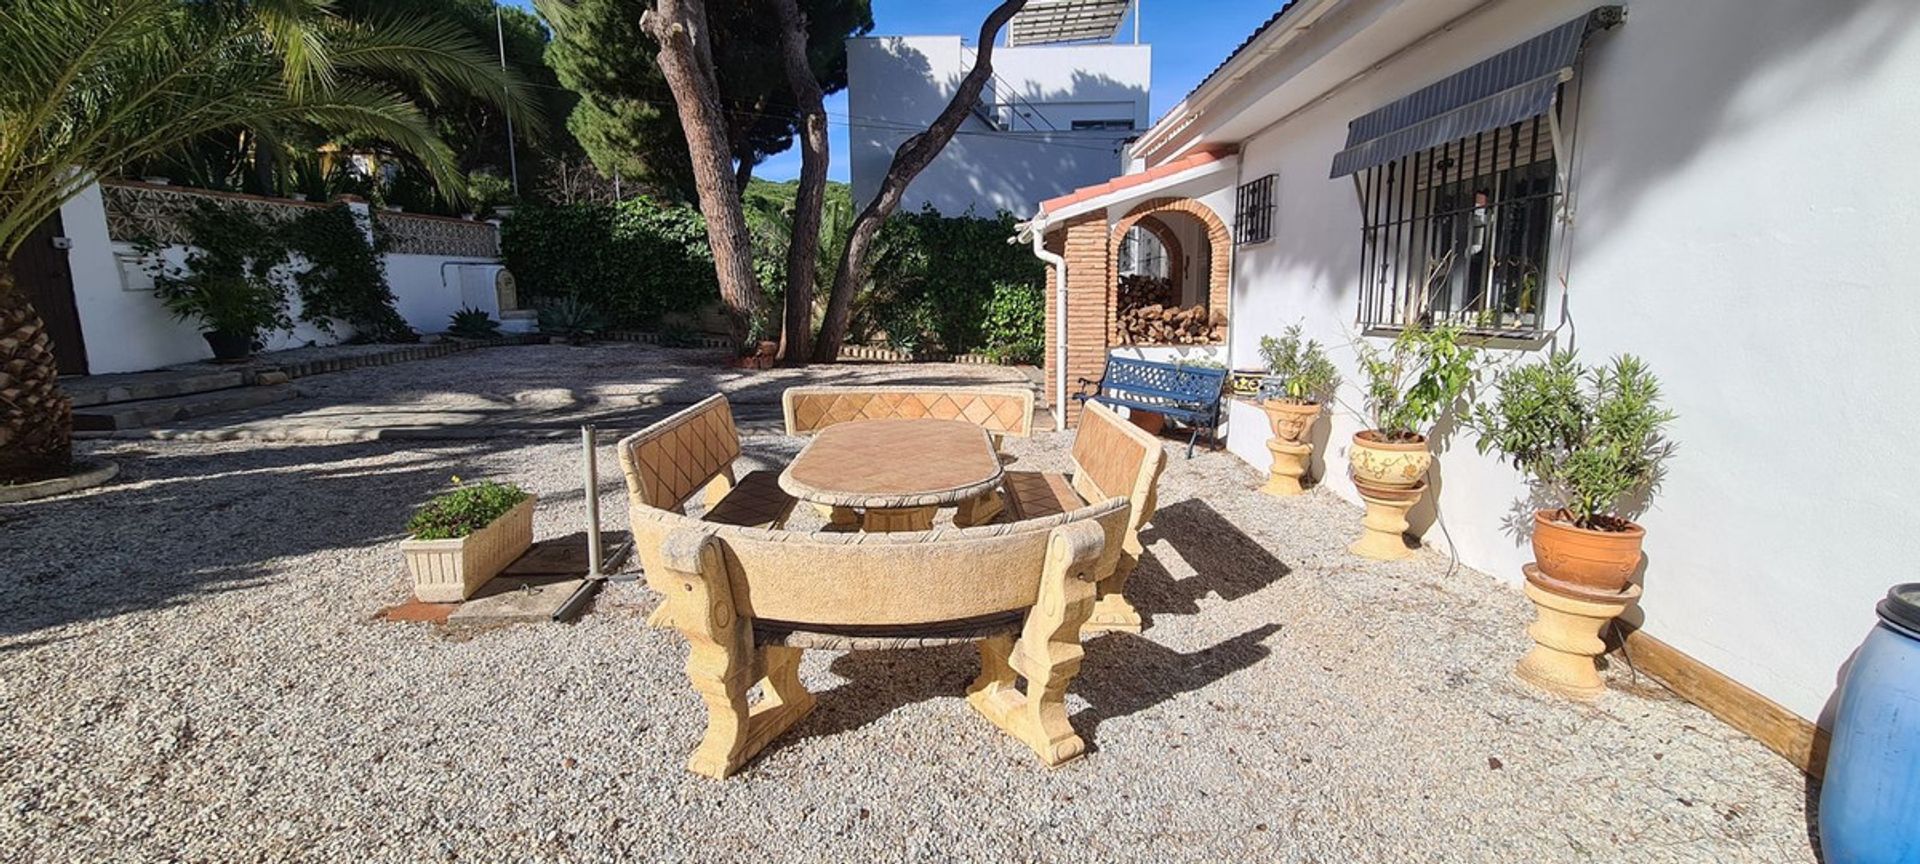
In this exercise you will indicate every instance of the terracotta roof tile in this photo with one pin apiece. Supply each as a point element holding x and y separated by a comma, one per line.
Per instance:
<point>1203,156</point>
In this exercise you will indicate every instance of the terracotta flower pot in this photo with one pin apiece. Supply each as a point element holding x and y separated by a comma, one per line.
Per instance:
<point>1393,464</point>
<point>1601,560</point>
<point>1292,421</point>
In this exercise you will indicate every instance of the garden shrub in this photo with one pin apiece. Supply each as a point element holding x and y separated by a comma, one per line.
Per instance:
<point>954,282</point>
<point>635,260</point>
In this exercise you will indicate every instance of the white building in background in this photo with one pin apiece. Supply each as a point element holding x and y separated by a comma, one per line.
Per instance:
<point>1063,101</point>
<point>1721,187</point>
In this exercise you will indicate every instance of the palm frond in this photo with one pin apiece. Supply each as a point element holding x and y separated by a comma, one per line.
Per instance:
<point>441,59</point>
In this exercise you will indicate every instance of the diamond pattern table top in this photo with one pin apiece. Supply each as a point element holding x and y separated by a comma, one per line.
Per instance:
<point>894,464</point>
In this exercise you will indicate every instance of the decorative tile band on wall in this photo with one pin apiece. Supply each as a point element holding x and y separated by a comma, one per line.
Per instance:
<point>413,234</point>
<point>144,211</point>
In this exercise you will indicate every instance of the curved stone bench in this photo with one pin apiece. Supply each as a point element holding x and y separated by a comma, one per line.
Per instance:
<point>750,601</point>
<point>1111,458</point>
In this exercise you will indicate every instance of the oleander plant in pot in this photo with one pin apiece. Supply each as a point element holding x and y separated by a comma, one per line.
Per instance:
<point>461,538</point>
<point>1410,383</point>
<point>1592,441</point>
<point>1300,380</point>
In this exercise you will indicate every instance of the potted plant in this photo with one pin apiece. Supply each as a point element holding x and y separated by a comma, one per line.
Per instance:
<point>1300,379</point>
<point>471,323</point>
<point>229,281</point>
<point>460,539</point>
<point>1590,440</point>
<point>1410,384</point>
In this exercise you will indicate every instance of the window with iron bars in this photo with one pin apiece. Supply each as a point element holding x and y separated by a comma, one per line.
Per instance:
<point>1253,212</point>
<point>1459,234</point>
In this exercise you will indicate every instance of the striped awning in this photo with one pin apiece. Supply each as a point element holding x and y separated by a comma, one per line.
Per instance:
<point>1506,88</point>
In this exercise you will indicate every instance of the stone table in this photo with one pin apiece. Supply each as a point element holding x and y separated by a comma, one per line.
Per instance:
<point>900,472</point>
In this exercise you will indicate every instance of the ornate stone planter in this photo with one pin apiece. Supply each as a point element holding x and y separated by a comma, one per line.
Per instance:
<point>1397,464</point>
<point>1600,560</point>
<point>1566,635</point>
<point>1292,424</point>
<point>1384,528</point>
<point>449,571</point>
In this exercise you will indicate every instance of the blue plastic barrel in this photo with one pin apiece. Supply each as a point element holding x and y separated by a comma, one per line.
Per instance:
<point>1870,805</point>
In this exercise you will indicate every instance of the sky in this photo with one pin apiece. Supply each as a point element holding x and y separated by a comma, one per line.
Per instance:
<point>1189,38</point>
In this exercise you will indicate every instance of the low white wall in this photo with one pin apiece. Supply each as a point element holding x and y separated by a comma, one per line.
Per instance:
<point>1744,225</point>
<point>126,329</point>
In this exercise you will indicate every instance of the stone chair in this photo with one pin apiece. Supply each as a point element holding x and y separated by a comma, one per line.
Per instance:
<point>1002,411</point>
<point>1111,458</point>
<point>750,601</point>
<point>693,451</point>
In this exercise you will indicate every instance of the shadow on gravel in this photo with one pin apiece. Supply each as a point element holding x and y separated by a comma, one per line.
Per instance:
<point>1225,561</point>
<point>1125,674</point>
<point>181,525</point>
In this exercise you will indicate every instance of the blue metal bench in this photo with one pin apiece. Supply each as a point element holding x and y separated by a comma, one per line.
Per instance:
<point>1189,394</point>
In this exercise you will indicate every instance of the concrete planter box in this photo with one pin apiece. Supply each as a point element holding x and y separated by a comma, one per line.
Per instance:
<point>449,571</point>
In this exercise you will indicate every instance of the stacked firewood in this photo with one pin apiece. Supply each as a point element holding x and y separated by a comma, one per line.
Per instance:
<point>1156,324</point>
<point>1135,290</point>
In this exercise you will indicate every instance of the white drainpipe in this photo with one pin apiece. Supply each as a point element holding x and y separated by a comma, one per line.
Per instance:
<point>1060,318</point>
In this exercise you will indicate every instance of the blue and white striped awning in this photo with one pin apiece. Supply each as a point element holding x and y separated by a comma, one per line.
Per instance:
<point>1504,89</point>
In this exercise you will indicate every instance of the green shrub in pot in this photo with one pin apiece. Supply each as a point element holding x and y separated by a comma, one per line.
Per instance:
<point>1591,440</point>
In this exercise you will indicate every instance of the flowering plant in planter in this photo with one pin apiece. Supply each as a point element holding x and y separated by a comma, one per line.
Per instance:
<point>462,538</point>
<point>1590,439</point>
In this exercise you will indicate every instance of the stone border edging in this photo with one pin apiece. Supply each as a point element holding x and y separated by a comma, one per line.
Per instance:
<point>91,474</point>
<point>398,354</point>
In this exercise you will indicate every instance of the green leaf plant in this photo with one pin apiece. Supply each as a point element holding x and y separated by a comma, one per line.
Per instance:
<point>1300,369</point>
<point>1416,378</point>
<point>1590,438</point>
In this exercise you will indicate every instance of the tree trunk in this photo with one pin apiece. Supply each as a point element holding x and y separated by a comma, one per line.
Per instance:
<point>913,157</point>
<point>803,251</point>
<point>36,419</point>
<point>686,60</point>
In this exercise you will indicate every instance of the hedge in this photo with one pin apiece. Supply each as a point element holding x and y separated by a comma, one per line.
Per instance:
<point>936,283</point>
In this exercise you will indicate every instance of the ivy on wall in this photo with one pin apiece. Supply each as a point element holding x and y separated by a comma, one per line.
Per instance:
<point>346,277</point>
<point>636,260</point>
<point>239,269</point>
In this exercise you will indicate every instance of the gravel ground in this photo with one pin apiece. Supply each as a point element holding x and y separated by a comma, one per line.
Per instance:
<point>191,669</point>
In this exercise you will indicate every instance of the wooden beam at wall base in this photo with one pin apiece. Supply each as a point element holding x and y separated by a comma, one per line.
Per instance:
<point>1782,731</point>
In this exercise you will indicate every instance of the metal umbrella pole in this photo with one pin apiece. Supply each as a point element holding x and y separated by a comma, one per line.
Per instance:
<point>590,469</point>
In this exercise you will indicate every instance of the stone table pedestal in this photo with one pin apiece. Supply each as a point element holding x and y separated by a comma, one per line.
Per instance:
<point>1567,635</point>
<point>1383,537</point>
<point>1289,465</point>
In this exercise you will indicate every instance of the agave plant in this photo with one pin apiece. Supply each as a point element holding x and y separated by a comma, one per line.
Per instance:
<point>95,85</point>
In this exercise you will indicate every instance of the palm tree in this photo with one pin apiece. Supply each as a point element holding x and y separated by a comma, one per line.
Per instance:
<point>90,86</point>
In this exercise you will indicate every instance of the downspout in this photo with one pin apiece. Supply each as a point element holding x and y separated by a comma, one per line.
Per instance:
<point>1039,236</point>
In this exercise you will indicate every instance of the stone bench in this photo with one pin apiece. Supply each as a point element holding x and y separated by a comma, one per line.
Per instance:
<point>693,451</point>
<point>751,601</point>
<point>1111,458</point>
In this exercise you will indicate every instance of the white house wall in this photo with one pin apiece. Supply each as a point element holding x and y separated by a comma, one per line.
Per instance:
<point>126,329</point>
<point>1746,222</point>
<point>898,84</point>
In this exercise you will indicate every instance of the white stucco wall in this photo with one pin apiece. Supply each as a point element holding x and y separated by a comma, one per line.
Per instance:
<point>1746,222</point>
<point>898,84</point>
<point>126,329</point>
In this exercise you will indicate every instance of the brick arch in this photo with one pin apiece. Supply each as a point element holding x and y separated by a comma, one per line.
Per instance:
<point>1219,239</point>
<point>1176,261</point>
